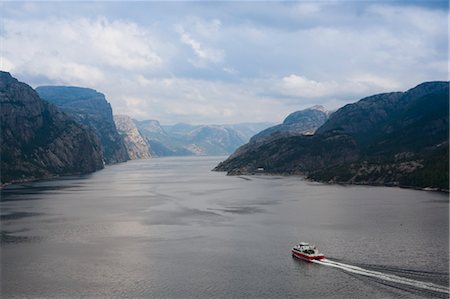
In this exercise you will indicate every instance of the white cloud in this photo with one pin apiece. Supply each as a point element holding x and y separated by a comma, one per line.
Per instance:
<point>307,8</point>
<point>225,62</point>
<point>77,51</point>
<point>173,99</point>
<point>205,29</point>
<point>121,44</point>
<point>230,70</point>
<point>6,64</point>
<point>412,16</point>
<point>204,55</point>
<point>362,83</point>
<point>303,87</point>
<point>371,81</point>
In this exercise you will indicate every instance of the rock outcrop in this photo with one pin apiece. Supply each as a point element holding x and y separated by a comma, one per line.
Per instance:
<point>136,145</point>
<point>399,139</point>
<point>40,141</point>
<point>90,108</point>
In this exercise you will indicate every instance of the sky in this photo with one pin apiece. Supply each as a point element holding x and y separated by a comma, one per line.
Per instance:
<point>226,62</point>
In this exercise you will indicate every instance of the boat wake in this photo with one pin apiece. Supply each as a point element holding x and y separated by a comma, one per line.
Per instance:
<point>384,276</point>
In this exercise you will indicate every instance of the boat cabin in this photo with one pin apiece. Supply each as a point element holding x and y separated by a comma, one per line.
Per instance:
<point>305,248</point>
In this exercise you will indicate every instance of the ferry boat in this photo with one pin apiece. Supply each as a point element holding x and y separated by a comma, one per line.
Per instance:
<point>307,252</point>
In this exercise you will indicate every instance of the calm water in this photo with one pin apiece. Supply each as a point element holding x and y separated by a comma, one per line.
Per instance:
<point>171,228</point>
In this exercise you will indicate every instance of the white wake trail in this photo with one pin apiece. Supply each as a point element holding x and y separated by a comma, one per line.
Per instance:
<point>387,277</point>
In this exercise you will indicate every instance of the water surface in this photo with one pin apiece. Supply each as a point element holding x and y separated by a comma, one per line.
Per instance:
<point>171,228</point>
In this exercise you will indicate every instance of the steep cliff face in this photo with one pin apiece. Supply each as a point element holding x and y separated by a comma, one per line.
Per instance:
<point>399,138</point>
<point>89,108</point>
<point>38,140</point>
<point>136,145</point>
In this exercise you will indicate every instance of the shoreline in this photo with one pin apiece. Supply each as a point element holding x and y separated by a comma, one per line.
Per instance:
<point>429,189</point>
<point>46,178</point>
<point>393,185</point>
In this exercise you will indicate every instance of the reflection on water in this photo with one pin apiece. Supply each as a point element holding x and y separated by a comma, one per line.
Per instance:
<point>172,228</point>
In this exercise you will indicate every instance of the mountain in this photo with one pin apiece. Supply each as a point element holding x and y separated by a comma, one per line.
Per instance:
<point>303,122</point>
<point>398,138</point>
<point>179,129</point>
<point>90,108</point>
<point>135,144</point>
<point>160,142</point>
<point>187,140</point>
<point>40,141</point>
<point>213,140</point>
<point>247,130</point>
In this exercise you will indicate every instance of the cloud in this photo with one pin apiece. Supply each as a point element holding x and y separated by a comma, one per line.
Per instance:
<point>307,8</point>
<point>230,70</point>
<point>197,101</point>
<point>204,28</point>
<point>121,44</point>
<point>77,51</point>
<point>225,62</point>
<point>204,55</point>
<point>6,64</point>
<point>302,87</point>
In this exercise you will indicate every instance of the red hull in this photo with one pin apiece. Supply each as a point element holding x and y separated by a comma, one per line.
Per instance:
<point>307,257</point>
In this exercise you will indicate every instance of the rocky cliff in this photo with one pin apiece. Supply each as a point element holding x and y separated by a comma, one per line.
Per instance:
<point>136,145</point>
<point>89,108</point>
<point>399,138</point>
<point>40,141</point>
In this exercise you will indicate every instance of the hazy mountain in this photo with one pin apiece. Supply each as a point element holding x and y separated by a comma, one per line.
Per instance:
<point>213,140</point>
<point>161,143</point>
<point>89,108</point>
<point>303,122</point>
<point>398,138</point>
<point>248,130</point>
<point>185,139</point>
<point>180,129</point>
<point>40,141</point>
<point>135,144</point>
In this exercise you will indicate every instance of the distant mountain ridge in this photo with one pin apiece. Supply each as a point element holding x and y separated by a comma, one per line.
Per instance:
<point>40,141</point>
<point>90,108</point>
<point>398,138</point>
<point>160,142</point>
<point>187,140</point>
<point>303,122</point>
